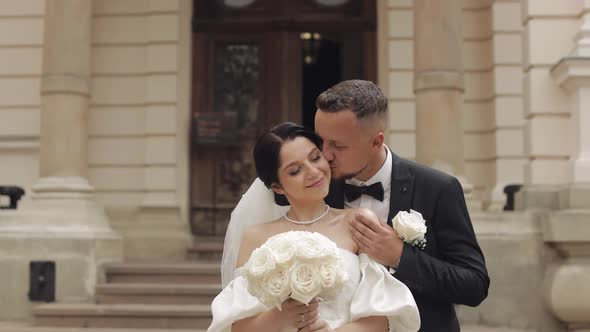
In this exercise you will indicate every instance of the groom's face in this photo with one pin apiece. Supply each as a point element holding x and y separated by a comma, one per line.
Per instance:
<point>346,146</point>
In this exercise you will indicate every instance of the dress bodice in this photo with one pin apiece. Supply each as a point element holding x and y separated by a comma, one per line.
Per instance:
<point>336,311</point>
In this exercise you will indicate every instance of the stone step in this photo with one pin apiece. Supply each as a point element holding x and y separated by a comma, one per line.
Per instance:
<point>206,249</point>
<point>129,293</point>
<point>134,316</point>
<point>164,273</point>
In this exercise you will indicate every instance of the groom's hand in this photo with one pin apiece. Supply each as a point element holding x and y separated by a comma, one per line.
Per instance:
<point>376,239</point>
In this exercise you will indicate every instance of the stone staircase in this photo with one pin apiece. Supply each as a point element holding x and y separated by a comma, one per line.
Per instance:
<point>140,296</point>
<point>176,296</point>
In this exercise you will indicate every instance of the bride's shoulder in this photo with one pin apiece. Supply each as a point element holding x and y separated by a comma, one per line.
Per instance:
<point>260,231</point>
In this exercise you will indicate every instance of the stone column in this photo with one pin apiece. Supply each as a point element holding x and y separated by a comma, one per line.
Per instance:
<point>62,224</point>
<point>64,96</point>
<point>568,230</point>
<point>438,85</point>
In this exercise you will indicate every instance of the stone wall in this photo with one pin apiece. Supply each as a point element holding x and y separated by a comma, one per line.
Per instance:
<point>493,97</point>
<point>137,124</point>
<point>21,52</point>
<point>549,30</point>
<point>508,106</point>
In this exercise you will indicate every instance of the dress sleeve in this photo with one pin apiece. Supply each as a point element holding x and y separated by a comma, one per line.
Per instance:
<point>380,294</point>
<point>232,304</point>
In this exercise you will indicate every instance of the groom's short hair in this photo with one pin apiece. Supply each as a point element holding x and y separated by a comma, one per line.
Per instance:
<point>363,98</point>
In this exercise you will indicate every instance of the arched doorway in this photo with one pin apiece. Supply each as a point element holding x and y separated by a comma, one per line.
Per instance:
<point>256,63</point>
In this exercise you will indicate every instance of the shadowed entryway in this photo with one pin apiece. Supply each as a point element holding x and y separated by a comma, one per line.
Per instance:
<point>257,63</point>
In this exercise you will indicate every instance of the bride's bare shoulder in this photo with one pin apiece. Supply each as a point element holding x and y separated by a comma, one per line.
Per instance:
<point>254,236</point>
<point>260,232</point>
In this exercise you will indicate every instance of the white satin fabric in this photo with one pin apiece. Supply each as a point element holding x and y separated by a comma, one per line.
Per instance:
<point>370,291</point>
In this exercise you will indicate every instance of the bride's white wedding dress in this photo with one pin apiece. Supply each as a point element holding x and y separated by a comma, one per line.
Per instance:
<point>370,291</point>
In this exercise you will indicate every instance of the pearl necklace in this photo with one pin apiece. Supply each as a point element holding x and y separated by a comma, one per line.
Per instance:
<point>308,222</point>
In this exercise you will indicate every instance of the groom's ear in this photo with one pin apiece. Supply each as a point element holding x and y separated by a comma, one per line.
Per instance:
<point>379,139</point>
<point>277,188</point>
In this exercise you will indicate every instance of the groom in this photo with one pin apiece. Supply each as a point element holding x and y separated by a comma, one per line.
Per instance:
<point>351,119</point>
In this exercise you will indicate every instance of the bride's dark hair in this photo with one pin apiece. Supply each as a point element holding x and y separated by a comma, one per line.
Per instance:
<point>268,148</point>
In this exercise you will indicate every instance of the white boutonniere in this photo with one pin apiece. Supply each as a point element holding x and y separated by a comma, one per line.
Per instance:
<point>411,228</point>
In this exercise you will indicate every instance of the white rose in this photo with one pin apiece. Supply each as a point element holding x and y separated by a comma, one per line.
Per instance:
<point>277,286</point>
<point>311,246</point>
<point>267,300</point>
<point>256,289</point>
<point>260,262</point>
<point>328,275</point>
<point>274,240</point>
<point>305,282</point>
<point>283,248</point>
<point>409,226</point>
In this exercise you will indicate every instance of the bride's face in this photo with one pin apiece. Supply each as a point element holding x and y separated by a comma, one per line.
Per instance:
<point>304,173</point>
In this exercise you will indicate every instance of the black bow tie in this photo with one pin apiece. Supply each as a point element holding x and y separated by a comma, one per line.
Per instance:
<point>353,192</point>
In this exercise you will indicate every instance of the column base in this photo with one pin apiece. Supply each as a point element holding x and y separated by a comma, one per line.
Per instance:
<point>154,234</point>
<point>79,252</point>
<point>63,224</point>
<point>474,204</point>
<point>498,198</point>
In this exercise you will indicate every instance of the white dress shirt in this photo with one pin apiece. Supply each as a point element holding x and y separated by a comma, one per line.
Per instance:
<point>366,201</point>
<point>381,209</point>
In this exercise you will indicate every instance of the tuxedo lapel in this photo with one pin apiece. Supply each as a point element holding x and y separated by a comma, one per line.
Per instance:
<point>402,186</point>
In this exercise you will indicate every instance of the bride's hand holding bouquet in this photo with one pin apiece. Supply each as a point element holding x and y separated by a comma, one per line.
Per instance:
<point>295,268</point>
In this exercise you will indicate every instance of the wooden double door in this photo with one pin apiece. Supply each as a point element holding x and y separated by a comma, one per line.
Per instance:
<point>258,63</point>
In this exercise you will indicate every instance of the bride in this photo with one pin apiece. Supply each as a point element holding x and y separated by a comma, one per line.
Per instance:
<point>289,163</point>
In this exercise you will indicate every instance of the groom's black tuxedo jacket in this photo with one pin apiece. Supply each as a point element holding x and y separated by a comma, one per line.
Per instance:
<point>451,269</point>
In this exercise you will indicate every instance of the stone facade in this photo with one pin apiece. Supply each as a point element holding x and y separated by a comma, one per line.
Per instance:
<point>516,72</point>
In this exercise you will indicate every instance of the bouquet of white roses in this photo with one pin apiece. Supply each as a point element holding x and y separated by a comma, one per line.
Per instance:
<point>296,264</point>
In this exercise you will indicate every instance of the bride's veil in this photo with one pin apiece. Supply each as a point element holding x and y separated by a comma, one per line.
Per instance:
<point>256,206</point>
